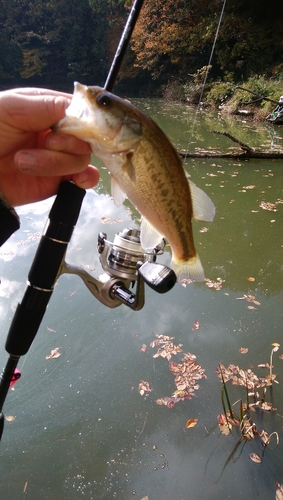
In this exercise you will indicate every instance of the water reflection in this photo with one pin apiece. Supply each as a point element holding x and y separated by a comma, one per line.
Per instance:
<point>82,430</point>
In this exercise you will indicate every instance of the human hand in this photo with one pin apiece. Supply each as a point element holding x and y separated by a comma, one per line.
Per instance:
<point>33,159</point>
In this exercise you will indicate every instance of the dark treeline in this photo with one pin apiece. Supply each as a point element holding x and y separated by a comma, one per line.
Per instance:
<point>54,42</point>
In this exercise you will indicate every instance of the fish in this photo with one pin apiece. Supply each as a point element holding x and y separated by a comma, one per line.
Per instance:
<point>146,168</point>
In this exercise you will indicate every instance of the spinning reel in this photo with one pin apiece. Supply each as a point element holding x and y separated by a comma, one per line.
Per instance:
<point>126,265</point>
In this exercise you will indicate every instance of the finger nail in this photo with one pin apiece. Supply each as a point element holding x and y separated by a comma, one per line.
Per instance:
<point>82,177</point>
<point>25,161</point>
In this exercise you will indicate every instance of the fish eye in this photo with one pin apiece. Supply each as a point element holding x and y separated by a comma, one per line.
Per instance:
<point>103,100</point>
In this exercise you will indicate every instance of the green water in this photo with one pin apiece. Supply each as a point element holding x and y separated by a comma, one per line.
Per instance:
<point>81,428</point>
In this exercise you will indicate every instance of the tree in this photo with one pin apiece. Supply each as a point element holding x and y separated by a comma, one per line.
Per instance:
<point>176,37</point>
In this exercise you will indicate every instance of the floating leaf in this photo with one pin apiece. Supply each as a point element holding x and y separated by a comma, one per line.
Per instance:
<point>196,325</point>
<point>192,422</point>
<point>255,458</point>
<point>9,418</point>
<point>224,425</point>
<point>249,298</point>
<point>214,284</point>
<point>143,348</point>
<point>187,373</point>
<point>54,353</point>
<point>166,348</point>
<point>144,387</point>
<point>279,491</point>
<point>266,406</point>
<point>266,205</point>
<point>243,350</point>
<point>250,278</point>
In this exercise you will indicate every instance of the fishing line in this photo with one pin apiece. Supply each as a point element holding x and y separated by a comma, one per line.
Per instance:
<point>212,52</point>
<point>207,71</point>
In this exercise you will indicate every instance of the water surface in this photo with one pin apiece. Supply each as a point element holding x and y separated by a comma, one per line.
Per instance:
<point>81,428</point>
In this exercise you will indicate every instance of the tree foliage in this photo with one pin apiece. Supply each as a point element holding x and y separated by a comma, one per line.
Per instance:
<point>176,36</point>
<point>76,39</point>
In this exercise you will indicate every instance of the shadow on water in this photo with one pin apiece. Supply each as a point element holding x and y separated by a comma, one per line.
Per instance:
<point>81,428</point>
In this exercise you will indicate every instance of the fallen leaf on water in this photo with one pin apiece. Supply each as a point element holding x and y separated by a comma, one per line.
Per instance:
<point>144,387</point>
<point>166,348</point>
<point>51,330</point>
<point>54,353</point>
<point>250,278</point>
<point>9,418</point>
<point>279,491</point>
<point>255,458</point>
<point>243,350</point>
<point>145,498</point>
<point>192,422</point>
<point>266,406</point>
<point>249,298</point>
<point>203,230</point>
<point>143,348</point>
<point>252,308</point>
<point>256,302</point>
<point>214,284</point>
<point>266,205</point>
<point>224,425</point>
<point>196,325</point>
<point>224,429</point>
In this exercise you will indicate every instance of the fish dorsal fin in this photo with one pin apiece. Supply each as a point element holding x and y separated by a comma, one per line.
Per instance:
<point>117,192</point>
<point>150,237</point>
<point>203,207</point>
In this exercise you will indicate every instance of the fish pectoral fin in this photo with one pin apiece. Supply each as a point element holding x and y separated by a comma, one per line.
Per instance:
<point>117,192</point>
<point>150,237</point>
<point>128,167</point>
<point>203,207</point>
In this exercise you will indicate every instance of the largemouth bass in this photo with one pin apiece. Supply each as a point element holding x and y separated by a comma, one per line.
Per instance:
<point>145,168</point>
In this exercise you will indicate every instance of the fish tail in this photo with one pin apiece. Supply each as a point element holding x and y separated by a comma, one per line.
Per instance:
<point>191,269</point>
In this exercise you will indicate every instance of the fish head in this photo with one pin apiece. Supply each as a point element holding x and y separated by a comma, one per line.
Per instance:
<point>101,118</point>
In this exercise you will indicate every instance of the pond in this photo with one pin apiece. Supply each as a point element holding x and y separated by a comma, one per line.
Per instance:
<point>79,426</point>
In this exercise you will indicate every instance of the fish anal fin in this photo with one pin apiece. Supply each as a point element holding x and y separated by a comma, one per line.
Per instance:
<point>203,207</point>
<point>117,192</point>
<point>150,237</point>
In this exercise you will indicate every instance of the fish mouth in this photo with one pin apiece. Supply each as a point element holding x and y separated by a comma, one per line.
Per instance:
<point>78,114</point>
<point>85,119</point>
<point>88,118</point>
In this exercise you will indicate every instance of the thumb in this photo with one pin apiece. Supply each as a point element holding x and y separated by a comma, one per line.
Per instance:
<point>33,110</point>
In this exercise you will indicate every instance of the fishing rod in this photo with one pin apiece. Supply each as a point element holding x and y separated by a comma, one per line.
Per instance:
<point>123,44</point>
<point>124,261</point>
